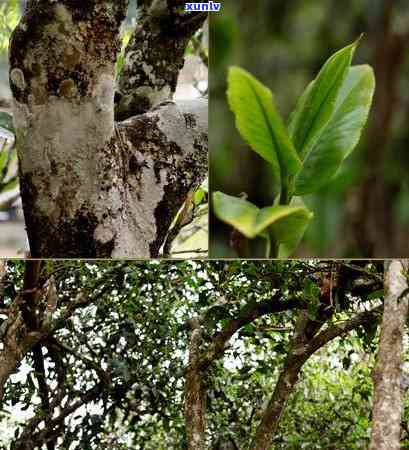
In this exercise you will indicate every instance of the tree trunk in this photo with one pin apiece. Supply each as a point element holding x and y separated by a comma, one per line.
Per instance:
<point>374,226</point>
<point>271,416</point>
<point>195,395</point>
<point>305,329</point>
<point>92,187</point>
<point>387,406</point>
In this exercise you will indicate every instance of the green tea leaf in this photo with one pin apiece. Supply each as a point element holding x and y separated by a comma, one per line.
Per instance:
<point>316,106</point>
<point>237,212</point>
<point>289,231</point>
<point>9,185</point>
<point>342,132</point>
<point>199,196</point>
<point>260,124</point>
<point>285,223</point>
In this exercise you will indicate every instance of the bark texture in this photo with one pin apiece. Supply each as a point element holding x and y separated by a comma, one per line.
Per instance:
<point>195,394</point>
<point>387,406</point>
<point>154,57</point>
<point>24,328</point>
<point>90,187</point>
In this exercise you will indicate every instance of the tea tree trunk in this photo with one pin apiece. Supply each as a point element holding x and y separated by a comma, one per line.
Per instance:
<point>93,187</point>
<point>195,393</point>
<point>387,406</point>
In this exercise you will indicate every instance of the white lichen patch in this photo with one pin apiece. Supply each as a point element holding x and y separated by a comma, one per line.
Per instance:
<point>173,123</point>
<point>104,92</point>
<point>104,233</point>
<point>17,78</point>
<point>144,197</point>
<point>69,135</point>
<point>199,109</point>
<point>147,190</point>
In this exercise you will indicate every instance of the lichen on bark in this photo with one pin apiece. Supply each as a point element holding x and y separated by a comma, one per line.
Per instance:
<point>80,197</point>
<point>154,57</point>
<point>387,403</point>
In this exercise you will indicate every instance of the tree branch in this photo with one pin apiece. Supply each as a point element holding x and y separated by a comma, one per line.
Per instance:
<point>301,349</point>
<point>248,314</point>
<point>30,294</point>
<point>167,157</point>
<point>195,392</point>
<point>154,57</point>
<point>30,439</point>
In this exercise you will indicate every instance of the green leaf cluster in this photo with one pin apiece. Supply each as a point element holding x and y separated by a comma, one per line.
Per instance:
<point>9,17</point>
<point>305,155</point>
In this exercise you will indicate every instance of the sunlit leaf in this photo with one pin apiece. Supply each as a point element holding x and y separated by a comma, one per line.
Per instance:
<point>259,122</point>
<point>285,223</point>
<point>316,106</point>
<point>341,133</point>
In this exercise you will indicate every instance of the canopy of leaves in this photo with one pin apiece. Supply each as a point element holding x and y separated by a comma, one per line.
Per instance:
<point>126,349</point>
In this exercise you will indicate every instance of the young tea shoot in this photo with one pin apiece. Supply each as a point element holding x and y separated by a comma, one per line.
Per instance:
<point>305,154</point>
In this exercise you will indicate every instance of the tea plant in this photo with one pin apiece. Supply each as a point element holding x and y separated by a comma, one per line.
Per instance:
<point>305,155</point>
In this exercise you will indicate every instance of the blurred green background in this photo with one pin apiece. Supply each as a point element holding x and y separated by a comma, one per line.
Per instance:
<point>364,212</point>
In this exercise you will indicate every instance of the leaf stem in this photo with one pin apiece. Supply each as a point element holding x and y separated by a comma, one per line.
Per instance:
<point>271,250</point>
<point>268,246</point>
<point>285,191</point>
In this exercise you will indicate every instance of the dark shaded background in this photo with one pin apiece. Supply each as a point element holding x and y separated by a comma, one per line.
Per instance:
<point>365,210</point>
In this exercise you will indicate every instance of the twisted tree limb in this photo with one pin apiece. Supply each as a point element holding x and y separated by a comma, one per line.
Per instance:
<point>201,358</point>
<point>28,325</point>
<point>303,347</point>
<point>20,332</point>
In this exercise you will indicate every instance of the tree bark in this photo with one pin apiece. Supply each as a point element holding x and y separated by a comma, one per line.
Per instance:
<point>20,332</point>
<point>162,35</point>
<point>387,405</point>
<point>195,394</point>
<point>91,187</point>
